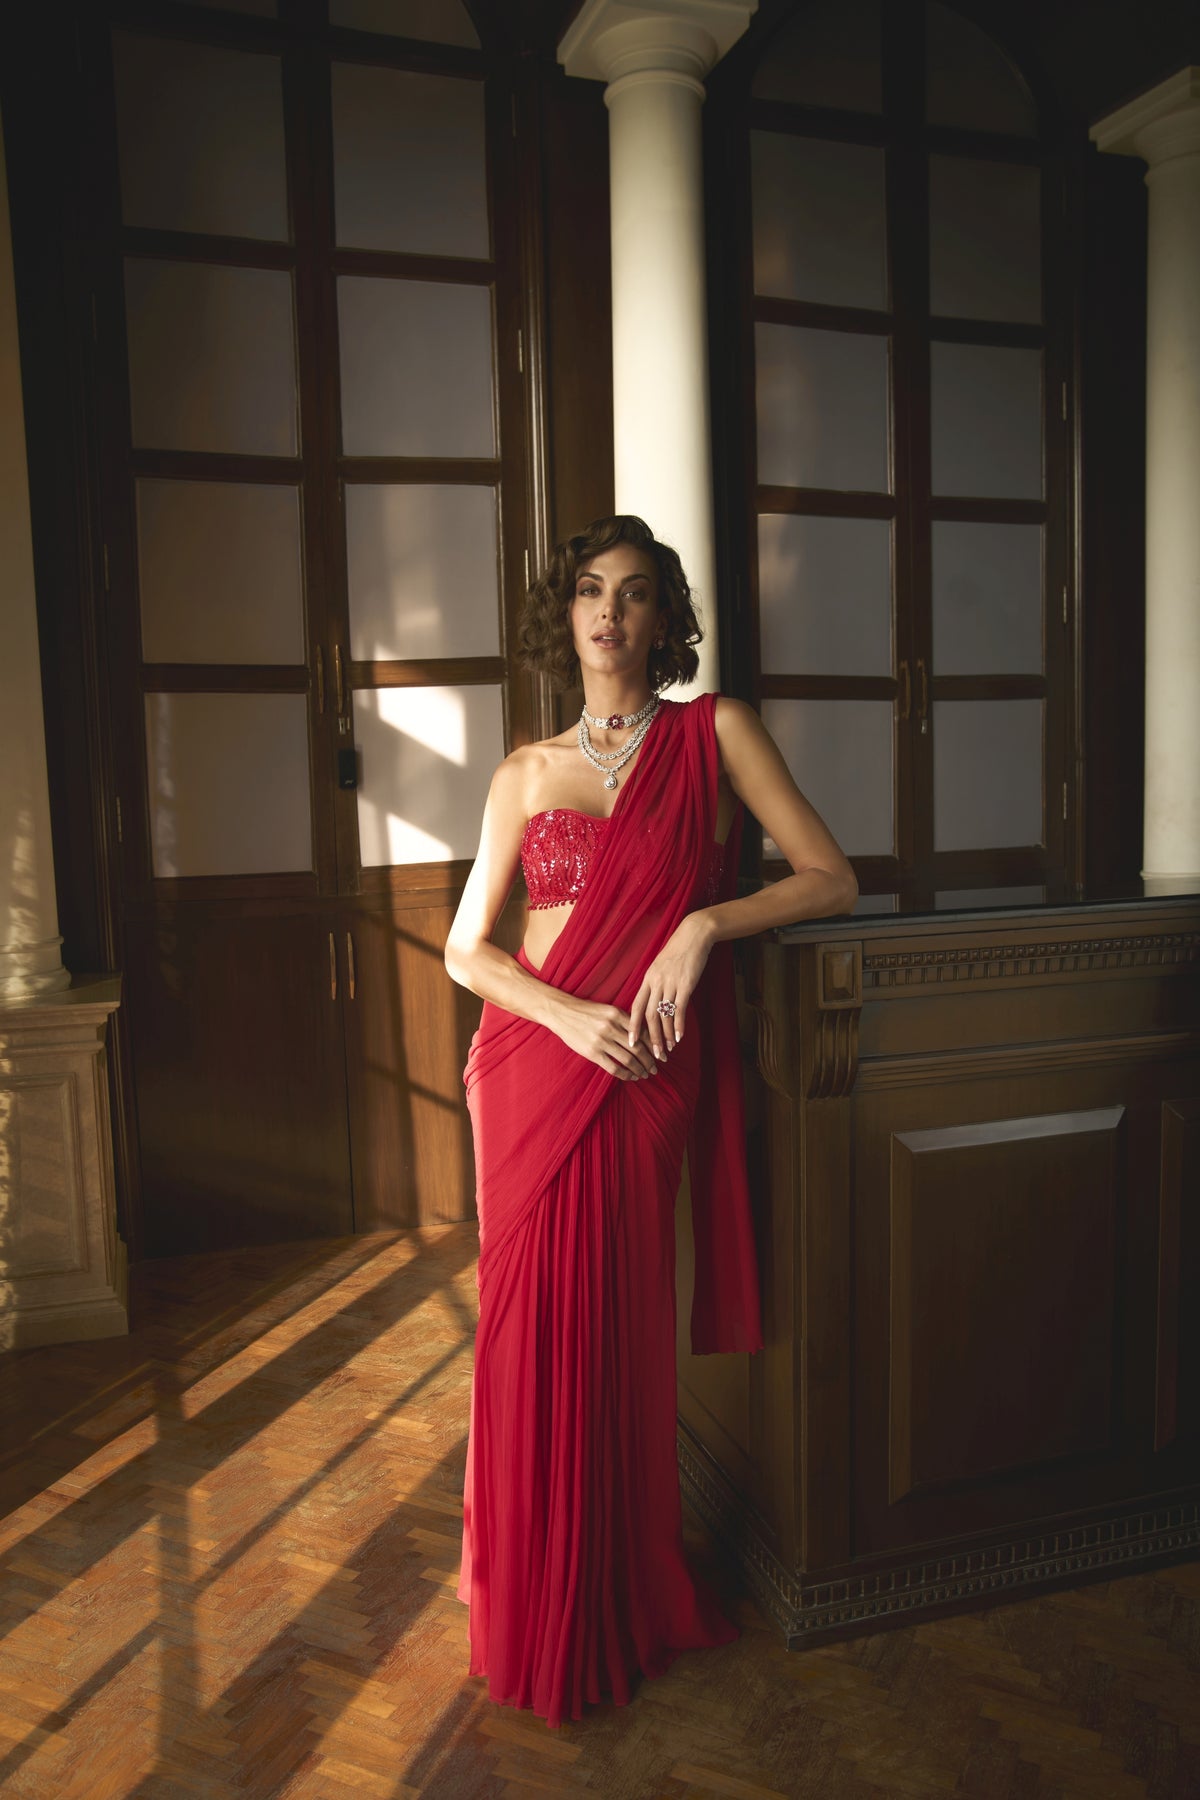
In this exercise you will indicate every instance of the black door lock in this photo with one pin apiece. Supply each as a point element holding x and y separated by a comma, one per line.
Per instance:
<point>348,767</point>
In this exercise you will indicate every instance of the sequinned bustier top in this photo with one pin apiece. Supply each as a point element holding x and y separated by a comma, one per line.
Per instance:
<point>556,855</point>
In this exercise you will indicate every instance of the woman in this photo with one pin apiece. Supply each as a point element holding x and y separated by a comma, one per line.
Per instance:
<point>606,1046</point>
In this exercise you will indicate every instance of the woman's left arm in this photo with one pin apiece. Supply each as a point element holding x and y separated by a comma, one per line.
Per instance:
<point>821,884</point>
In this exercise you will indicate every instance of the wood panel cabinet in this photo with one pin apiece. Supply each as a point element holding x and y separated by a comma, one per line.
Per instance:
<point>976,1166</point>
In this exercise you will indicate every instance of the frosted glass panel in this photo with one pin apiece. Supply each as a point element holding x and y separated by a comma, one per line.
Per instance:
<point>228,783</point>
<point>828,55</point>
<point>427,760</point>
<point>987,599</point>
<point>822,408</point>
<point>987,421</point>
<point>985,252</point>
<point>840,754</point>
<point>437,21</point>
<point>423,572</point>
<point>969,80</point>
<point>219,572</point>
<point>200,135</point>
<point>987,773</point>
<point>877,903</point>
<point>824,595</point>
<point>408,162</point>
<point>416,368</point>
<point>946,899</point>
<point>212,362</point>
<point>818,220</point>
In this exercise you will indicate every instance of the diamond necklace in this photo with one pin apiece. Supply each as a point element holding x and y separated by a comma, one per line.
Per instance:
<point>622,721</point>
<point>609,761</point>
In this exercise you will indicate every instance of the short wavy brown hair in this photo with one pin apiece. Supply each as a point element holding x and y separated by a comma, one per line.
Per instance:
<point>544,638</point>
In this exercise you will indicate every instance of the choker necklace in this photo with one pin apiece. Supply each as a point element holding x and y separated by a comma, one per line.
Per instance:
<point>609,761</point>
<point>622,721</point>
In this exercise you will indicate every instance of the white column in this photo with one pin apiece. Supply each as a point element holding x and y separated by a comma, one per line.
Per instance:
<point>654,59</point>
<point>1163,127</point>
<point>30,961</point>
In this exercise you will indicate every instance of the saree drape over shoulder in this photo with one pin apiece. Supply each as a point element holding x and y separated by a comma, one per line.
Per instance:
<point>573,1559</point>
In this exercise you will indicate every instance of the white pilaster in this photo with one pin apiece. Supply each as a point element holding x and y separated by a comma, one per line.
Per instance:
<point>30,961</point>
<point>1163,127</point>
<point>654,58</point>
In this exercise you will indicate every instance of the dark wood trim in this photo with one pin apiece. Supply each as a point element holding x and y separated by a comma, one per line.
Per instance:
<point>944,330</point>
<point>398,265</point>
<point>828,687</point>
<point>224,678</point>
<point>217,465</point>
<point>988,687</point>
<point>987,512</point>
<point>841,503</point>
<point>775,310</point>
<point>203,247</point>
<point>438,471</point>
<point>455,671</point>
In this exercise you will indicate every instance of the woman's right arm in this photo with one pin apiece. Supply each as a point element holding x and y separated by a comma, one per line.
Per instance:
<point>598,1032</point>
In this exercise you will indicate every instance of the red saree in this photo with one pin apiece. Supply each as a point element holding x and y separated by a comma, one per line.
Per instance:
<point>573,1560</point>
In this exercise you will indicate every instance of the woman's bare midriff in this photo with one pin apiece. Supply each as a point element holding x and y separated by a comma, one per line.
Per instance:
<point>541,929</point>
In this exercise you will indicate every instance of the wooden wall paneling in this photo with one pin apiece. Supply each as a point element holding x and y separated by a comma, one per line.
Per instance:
<point>1177,1338</point>
<point>240,1075</point>
<point>408,1030</point>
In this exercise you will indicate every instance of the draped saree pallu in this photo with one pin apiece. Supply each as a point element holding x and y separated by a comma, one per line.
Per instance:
<point>573,1558</point>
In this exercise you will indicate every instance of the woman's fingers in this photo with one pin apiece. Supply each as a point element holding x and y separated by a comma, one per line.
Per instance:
<point>637,1016</point>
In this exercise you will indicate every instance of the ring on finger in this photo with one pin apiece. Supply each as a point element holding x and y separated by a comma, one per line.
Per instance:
<point>666,1008</point>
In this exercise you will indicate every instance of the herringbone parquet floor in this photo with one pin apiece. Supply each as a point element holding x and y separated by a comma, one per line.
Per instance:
<point>229,1546</point>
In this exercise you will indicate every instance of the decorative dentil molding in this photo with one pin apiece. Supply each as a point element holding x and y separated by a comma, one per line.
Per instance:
<point>1068,956</point>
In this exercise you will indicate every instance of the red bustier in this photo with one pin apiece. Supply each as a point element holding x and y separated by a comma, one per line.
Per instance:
<point>556,855</point>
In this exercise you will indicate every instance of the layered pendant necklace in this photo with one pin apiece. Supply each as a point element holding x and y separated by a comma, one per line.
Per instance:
<point>609,761</point>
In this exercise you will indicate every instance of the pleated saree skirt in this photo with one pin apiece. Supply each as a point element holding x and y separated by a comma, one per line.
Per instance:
<point>573,1559</point>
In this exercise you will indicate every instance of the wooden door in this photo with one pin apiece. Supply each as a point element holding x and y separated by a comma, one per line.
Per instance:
<point>895,202</point>
<point>314,524</point>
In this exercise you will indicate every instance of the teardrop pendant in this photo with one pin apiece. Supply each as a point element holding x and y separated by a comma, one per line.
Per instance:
<point>610,781</point>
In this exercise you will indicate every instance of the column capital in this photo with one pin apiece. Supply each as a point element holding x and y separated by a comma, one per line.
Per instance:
<point>613,40</point>
<point>1160,125</point>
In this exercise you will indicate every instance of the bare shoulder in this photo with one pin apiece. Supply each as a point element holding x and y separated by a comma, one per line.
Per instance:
<point>522,775</point>
<point>735,719</point>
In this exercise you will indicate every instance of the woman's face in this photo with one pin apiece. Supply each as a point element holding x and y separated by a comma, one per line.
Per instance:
<point>614,613</point>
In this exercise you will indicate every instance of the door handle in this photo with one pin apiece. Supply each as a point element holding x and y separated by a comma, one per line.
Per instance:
<point>905,689</point>
<point>923,702</point>
<point>332,968</point>
<point>350,962</point>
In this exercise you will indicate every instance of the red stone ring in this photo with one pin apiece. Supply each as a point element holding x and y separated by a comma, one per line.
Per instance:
<point>667,1008</point>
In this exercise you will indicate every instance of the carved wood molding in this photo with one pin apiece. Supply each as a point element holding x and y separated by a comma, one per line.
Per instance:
<point>1005,962</point>
<point>839,969</point>
<point>809,1611</point>
<point>1025,1059</point>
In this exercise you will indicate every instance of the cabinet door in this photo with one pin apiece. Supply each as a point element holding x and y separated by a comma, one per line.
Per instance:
<point>237,1048</point>
<point>1004,1299</point>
